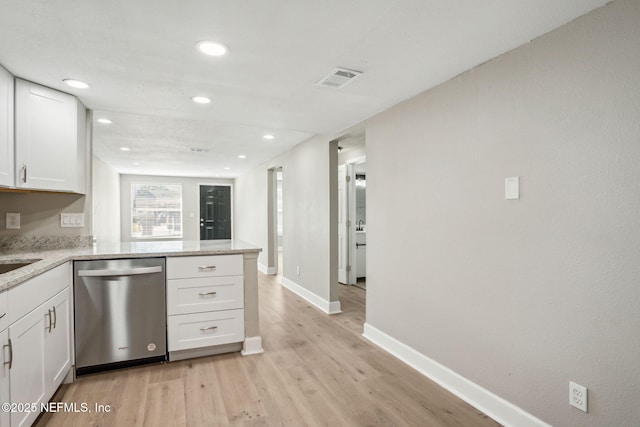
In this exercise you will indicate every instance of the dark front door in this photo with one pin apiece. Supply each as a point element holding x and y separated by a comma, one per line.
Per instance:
<point>215,212</point>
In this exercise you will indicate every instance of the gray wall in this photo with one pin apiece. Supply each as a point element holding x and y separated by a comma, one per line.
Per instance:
<point>519,296</point>
<point>190,202</point>
<point>40,213</point>
<point>306,211</point>
<point>106,202</point>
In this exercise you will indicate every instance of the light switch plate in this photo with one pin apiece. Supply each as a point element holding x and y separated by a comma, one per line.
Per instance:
<point>512,188</point>
<point>13,221</point>
<point>72,220</point>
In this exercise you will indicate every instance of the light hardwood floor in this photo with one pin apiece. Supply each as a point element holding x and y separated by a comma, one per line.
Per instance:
<point>317,370</point>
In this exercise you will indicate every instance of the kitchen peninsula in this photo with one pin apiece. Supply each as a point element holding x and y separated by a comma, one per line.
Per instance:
<point>50,259</point>
<point>37,297</point>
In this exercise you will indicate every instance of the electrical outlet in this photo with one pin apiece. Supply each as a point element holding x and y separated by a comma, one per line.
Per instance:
<point>13,221</point>
<point>578,396</point>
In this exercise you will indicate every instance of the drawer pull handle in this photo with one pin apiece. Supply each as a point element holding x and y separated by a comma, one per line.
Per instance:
<point>10,345</point>
<point>204,294</point>
<point>3,314</point>
<point>209,328</point>
<point>55,317</point>
<point>207,268</point>
<point>48,328</point>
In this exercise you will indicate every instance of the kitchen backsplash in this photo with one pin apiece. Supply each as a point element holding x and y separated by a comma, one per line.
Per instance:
<point>22,243</point>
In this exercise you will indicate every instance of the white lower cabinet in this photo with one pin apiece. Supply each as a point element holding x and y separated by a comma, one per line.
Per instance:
<point>58,341</point>
<point>4,376</point>
<point>36,347</point>
<point>27,371</point>
<point>205,303</point>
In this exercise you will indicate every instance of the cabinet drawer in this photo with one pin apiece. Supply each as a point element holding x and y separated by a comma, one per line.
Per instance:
<point>204,266</point>
<point>204,294</point>
<point>4,307</point>
<point>187,331</point>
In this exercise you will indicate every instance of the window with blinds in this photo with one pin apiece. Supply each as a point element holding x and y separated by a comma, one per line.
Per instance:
<point>156,210</point>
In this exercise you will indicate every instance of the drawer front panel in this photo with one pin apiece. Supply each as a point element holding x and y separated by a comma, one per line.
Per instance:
<point>204,266</point>
<point>204,294</point>
<point>187,331</point>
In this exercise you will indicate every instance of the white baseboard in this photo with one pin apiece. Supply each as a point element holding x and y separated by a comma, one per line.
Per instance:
<point>494,406</point>
<point>267,270</point>
<point>252,345</point>
<point>329,307</point>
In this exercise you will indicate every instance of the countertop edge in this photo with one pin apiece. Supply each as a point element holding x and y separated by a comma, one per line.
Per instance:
<point>52,259</point>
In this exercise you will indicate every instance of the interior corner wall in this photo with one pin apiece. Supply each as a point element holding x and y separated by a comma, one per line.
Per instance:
<point>519,296</point>
<point>106,202</point>
<point>306,213</point>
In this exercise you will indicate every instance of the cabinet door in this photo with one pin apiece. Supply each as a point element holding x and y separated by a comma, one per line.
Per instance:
<point>6,129</point>
<point>27,374</point>
<point>46,138</point>
<point>4,376</point>
<point>57,342</point>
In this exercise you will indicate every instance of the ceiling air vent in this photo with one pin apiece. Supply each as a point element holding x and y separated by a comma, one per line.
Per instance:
<point>339,77</point>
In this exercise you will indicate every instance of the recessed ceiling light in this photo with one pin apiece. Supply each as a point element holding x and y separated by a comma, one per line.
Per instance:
<point>227,169</point>
<point>201,100</point>
<point>268,136</point>
<point>212,48</point>
<point>104,121</point>
<point>136,163</point>
<point>76,83</point>
<point>242,156</point>
<point>125,148</point>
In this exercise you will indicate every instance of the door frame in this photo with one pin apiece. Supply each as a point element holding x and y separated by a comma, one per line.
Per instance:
<point>225,184</point>
<point>272,219</point>
<point>352,276</point>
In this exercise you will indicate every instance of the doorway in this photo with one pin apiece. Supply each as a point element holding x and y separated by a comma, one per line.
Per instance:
<point>215,212</point>
<point>275,215</point>
<point>349,222</point>
<point>351,218</point>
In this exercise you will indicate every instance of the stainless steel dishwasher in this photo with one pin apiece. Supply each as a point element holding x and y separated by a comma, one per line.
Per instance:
<point>120,314</point>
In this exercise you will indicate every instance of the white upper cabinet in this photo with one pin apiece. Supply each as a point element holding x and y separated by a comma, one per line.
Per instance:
<point>49,139</point>
<point>6,129</point>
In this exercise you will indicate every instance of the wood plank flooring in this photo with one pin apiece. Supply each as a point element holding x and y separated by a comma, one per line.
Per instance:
<point>317,370</point>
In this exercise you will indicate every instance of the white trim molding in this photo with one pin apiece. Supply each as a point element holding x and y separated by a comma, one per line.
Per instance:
<point>494,406</point>
<point>267,270</point>
<point>252,345</point>
<point>329,307</point>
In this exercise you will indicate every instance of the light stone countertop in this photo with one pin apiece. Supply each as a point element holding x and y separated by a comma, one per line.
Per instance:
<point>53,258</point>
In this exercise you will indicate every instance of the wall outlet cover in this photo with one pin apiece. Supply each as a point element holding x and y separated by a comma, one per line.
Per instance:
<point>578,396</point>
<point>71,220</point>
<point>13,221</point>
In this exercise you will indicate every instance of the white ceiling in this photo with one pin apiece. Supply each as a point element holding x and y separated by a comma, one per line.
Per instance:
<point>140,59</point>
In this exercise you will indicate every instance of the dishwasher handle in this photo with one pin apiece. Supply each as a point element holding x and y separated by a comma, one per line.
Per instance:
<point>120,271</point>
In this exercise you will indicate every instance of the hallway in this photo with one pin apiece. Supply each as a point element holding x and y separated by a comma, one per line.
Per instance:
<point>317,370</point>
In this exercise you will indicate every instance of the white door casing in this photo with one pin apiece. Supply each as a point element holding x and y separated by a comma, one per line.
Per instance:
<point>343,229</point>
